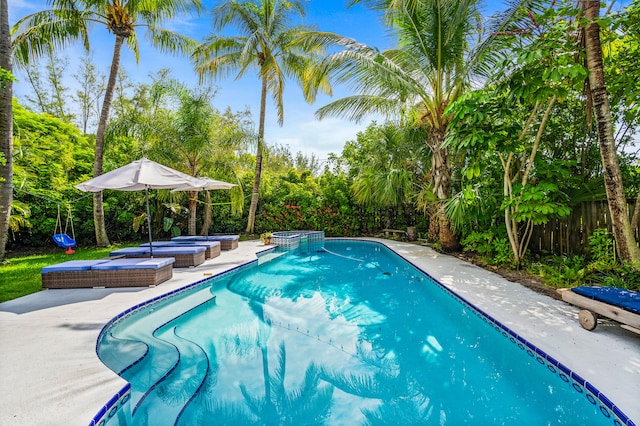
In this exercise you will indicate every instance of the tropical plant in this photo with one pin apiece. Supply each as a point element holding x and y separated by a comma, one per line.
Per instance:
<point>69,20</point>
<point>390,161</point>
<point>201,137</point>
<point>508,120</point>
<point>20,216</point>
<point>437,55</point>
<point>265,237</point>
<point>269,43</point>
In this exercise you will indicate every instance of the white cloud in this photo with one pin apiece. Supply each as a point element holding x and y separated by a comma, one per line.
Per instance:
<point>313,136</point>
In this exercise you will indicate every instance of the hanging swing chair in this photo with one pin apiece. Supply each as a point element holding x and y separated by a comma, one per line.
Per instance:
<point>61,238</point>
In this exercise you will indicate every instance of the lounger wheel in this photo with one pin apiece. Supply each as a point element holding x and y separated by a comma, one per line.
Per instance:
<point>588,320</point>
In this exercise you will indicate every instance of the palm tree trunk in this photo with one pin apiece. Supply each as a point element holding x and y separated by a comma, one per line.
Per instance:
<point>626,244</point>
<point>102,240</point>
<point>193,207</point>
<point>6,130</point>
<point>441,175</point>
<point>256,181</point>
<point>207,214</point>
<point>635,219</point>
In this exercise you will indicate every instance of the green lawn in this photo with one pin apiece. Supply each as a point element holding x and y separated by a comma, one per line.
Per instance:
<point>21,275</point>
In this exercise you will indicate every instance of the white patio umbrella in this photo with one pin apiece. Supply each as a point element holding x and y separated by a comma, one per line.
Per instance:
<point>205,184</point>
<point>142,174</point>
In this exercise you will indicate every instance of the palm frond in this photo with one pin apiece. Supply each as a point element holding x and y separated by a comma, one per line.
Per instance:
<point>171,42</point>
<point>357,107</point>
<point>34,35</point>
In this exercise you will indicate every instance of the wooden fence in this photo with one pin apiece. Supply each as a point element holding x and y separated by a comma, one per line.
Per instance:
<point>570,235</point>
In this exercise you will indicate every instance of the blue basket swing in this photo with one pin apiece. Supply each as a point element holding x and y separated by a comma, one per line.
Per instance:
<point>61,238</point>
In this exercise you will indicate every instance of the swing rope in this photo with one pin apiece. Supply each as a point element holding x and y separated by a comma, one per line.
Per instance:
<point>69,221</point>
<point>66,225</point>
<point>58,222</point>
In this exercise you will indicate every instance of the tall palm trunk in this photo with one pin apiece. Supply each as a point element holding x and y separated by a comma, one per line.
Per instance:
<point>258,173</point>
<point>441,177</point>
<point>6,130</point>
<point>626,244</point>
<point>102,240</point>
<point>207,214</point>
<point>193,207</point>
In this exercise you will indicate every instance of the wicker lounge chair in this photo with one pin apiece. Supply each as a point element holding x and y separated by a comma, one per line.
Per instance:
<point>227,242</point>
<point>614,303</point>
<point>107,273</point>
<point>185,256</point>
<point>212,247</point>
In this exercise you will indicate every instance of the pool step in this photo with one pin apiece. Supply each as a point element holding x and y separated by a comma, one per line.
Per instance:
<point>170,396</point>
<point>268,257</point>
<point>152,357</point>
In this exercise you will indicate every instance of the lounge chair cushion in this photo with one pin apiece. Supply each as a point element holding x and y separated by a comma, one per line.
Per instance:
<point>183,243</point>
<point>625,299</point>
<point>139,251</point>
<point>73,265</point>
<point>118,264</point>
<point>185,238</point>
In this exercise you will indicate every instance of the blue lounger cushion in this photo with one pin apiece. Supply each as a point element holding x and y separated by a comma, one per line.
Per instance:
<point>183,243</point>
<point>118,264</point>
<point>139,251</point>
<point>206,238</point>
<point>73,265</point>
<point>625,299</point>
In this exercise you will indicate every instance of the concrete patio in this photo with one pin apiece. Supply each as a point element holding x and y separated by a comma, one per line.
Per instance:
<point>51,375</point>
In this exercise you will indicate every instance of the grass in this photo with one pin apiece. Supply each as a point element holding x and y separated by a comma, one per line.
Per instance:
<point>21,275</point>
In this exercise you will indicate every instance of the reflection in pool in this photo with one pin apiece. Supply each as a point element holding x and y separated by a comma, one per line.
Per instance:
<point>343,333</point>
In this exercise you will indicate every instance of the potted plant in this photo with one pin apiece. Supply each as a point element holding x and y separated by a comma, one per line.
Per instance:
<point>266,238</point>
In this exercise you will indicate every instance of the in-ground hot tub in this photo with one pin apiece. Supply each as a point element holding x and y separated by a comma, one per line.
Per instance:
<point>293,239</point>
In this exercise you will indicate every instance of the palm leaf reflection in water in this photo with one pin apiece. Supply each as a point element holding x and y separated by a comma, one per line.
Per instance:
<point>289,343</point>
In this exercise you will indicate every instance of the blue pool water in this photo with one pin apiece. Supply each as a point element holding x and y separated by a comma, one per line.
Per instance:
<point>346,335</point>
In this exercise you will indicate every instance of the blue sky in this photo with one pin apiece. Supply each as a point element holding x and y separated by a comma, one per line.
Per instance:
<point>301,131</point>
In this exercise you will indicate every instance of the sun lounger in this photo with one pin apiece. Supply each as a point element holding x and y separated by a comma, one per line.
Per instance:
<point>107,273</point>
<point>227,242</point>
<point>614,303</point>
<point>185,256</point>
<point>212,248</point>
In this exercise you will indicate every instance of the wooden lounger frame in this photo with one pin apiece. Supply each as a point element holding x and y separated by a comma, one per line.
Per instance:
<point>591,308</point>
<point>107,278</point>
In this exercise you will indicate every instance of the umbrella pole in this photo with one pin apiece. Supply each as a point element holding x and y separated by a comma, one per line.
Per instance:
<point>146,195</point>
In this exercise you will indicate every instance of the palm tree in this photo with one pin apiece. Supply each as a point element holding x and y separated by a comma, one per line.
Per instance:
<point>6,127</point>
<point>269,43</point>
<point>390,169</point>
<point>69,20</point>
<point>201,136</point>
<point>622,230</point>
<point>436,58</point>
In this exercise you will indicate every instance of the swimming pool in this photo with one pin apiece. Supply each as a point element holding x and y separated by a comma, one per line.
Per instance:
<point>347,335</point>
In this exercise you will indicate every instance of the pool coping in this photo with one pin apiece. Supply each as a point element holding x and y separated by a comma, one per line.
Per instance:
<point>51,374</point>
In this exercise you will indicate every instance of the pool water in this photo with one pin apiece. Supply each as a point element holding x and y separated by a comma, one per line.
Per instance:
<point>348,334</point>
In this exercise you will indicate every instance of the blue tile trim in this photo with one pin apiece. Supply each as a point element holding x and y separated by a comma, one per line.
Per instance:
<point>116,402</point>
